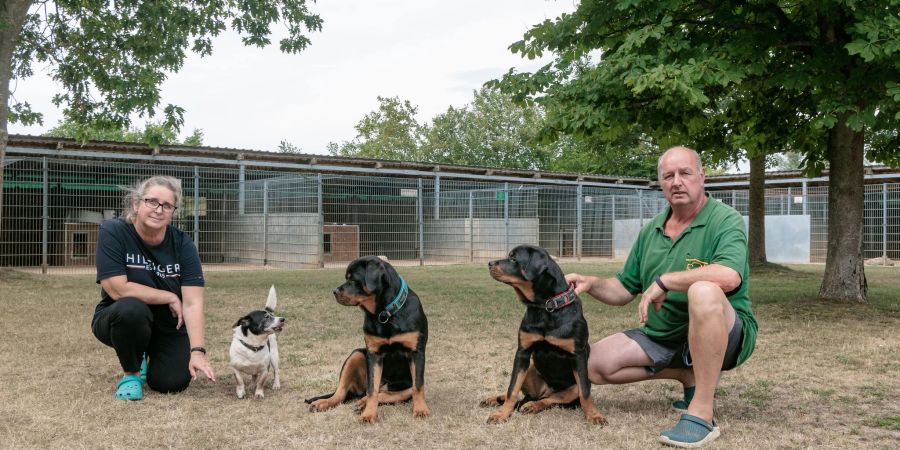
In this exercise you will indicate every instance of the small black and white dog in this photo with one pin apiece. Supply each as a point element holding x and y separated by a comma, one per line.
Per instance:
<point>254,348</point>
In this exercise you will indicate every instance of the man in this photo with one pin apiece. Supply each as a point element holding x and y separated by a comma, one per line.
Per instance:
<point>690,264</point>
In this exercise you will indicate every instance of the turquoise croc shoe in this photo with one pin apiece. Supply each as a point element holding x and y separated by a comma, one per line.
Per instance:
<point>690,432</point>
<point>130,388</point>
<point>144,362</point>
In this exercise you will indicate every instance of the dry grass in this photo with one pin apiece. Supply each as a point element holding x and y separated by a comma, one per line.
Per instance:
<point>823,375</point>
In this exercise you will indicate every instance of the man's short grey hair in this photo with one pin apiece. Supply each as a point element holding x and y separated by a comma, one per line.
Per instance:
<point>136,192</point>
<point>694,152</point>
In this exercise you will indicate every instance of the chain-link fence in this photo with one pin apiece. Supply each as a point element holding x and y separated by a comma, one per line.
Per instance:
<point>241,218</point>
<point>267,218</point>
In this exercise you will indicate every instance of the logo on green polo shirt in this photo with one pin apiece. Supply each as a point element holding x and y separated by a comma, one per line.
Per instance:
<point>693,263</point>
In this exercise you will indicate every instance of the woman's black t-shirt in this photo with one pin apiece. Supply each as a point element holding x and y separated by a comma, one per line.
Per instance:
<point>168,266</point>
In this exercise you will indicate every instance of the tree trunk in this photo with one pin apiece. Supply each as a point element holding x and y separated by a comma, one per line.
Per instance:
<point>12,16</point>
<point>845,278</point>
<point>757,226</point>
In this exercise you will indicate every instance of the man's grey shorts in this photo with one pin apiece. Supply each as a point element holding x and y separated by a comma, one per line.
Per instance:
<point>678,355</point>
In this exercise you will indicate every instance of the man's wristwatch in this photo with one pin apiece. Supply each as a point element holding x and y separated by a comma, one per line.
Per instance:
<point>658,283</point>
<point>198,349</point>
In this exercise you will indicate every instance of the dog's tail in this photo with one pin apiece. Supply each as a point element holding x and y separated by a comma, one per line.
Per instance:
<point>272,300</point>
<point>319,397</point>
<point>351,395</point>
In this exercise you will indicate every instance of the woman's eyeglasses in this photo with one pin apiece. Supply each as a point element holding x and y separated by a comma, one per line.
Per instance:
<point>153,203</point>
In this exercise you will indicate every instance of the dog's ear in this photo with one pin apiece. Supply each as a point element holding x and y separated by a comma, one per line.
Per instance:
<point>244,323</point>
<point>375,272</point>
<point>535,266</point>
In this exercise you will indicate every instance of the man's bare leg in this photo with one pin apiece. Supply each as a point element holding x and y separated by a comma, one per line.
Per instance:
<point>710,319</point>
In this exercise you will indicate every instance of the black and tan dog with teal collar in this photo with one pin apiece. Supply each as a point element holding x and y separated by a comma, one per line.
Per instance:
<point>254,347</point>
<point>391,367</point>
<point>550,366</point>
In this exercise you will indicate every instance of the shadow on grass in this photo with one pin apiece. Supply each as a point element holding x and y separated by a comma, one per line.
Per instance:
<point>773,269</point>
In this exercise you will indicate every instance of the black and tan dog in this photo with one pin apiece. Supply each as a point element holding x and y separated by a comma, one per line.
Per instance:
<point>550,366</point>
<point>391,367</point>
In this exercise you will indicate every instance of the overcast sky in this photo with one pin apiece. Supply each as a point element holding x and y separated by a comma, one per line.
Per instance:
<point>432,53</point>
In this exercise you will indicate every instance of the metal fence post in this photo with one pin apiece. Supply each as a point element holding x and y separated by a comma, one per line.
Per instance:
<point>321,212</point>
<point>471,226</point>
<point>197,207</point>
<point>805,195</point>
<point>421,219</point>
<point>641,207</point>
<point>579,218</point>
<point>884,223</point>
<point>437,197</point>
<point>45,213</point>
<point>506,216</point>
<point>790,202</point>
<point>266,222</point>
<point>242,169</point>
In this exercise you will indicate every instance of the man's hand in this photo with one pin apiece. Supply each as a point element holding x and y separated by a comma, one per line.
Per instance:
<point>175,309</point>
<point>198,363</point>
<point>583,283</point>
<point>654,295</point>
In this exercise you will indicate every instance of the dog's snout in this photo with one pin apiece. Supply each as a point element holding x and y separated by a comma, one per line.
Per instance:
<point>336,291</point>
<point>491,264</point>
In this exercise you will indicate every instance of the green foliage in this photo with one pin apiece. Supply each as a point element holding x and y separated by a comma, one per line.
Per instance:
<point>785,161</point>
<point>112,57</point>
<point>730,78</point>
<point>22,113</point>
<point>593,155</point>
<point>195,139</point>
<point>153,134</point>
<point>391,132</point>
<point>286,147</point>
<point>491,131</point>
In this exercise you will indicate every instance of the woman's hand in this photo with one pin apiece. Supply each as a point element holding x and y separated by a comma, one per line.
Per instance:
<point>199,363</point>
<point>176,309</point>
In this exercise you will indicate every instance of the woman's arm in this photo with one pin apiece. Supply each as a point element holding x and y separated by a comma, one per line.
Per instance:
<point>194,321</point>
<point>119,287</point>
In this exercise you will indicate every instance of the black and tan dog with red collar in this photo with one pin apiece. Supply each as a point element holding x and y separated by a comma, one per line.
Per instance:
<point>550,366</point>
<point>391,367</point>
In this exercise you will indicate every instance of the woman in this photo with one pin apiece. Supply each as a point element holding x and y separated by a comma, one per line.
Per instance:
<point>151,305</point>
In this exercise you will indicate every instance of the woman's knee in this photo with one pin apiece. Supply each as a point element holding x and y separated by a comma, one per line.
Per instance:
<point>169,383</point>
<point>131,311</point>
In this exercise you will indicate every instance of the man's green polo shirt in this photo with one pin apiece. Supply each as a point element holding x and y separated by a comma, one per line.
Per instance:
<point>716,236</point>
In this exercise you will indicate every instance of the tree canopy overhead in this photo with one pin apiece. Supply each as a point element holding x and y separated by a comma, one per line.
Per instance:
<point>818,77</point>
<point>732,73</point>
<point>110,58</point>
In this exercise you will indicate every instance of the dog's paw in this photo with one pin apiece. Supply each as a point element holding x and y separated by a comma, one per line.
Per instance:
<point>498,417</point>
<point>421,412</point>
<point>596,418</point>
<point>368,417</point>
<point>532,407</point>
<point>360,405</point>
<point>276,385</point>
<point>493,401</point>
<point>259,394</point>
<point>240,393</point>
<point>321,405</point>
